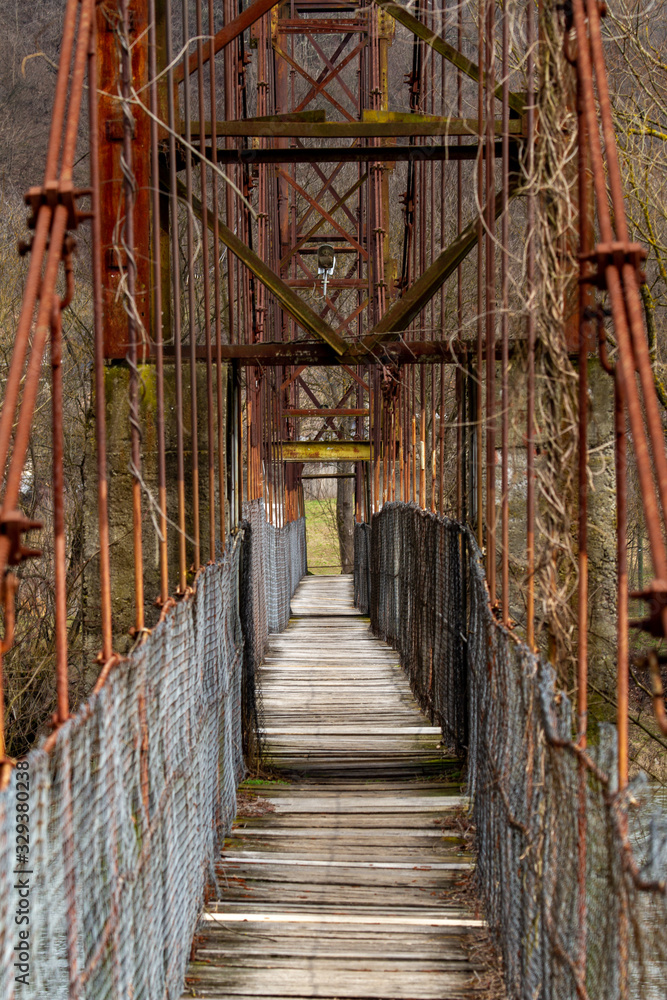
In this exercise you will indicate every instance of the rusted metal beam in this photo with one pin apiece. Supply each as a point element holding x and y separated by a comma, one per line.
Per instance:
<point>380,117</point>
<point>227,34</point>
<point>110,144</point>
<point>415,125</point>
<point>357,378</point>
<point>306,317</point>
<point>307,354</point>
<point>314,115</point>
<point>326,451</point>
<point>403,312</point>
<point>320,222</point>
<point>325,411</point>
<point>342,232</point>
<point>332,283</point>
<point>318,87</point>
<point>447,51</point>
<point>355,154</point>
<point>328,422</point>
<point>301,25</point>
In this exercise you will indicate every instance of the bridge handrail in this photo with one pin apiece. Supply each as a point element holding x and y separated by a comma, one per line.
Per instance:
<point>499,704</point>
<point>124,808</point>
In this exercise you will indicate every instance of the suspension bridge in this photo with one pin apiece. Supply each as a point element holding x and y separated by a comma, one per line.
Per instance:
<point>390,241</point>
<point>344,876</point>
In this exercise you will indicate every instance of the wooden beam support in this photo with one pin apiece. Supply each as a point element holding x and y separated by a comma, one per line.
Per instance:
<point>399,13</point>
<point>326,451</point>
<point>306,317</point>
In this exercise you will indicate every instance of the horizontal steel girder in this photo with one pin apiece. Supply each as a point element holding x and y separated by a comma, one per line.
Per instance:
<point>357,154</point>
<point>326,451</point>
<point>386,128</point>
<point>316,355</point>
<point>325,411</point>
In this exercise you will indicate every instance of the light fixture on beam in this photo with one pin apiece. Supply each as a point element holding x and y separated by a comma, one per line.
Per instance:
<point>326,262</point>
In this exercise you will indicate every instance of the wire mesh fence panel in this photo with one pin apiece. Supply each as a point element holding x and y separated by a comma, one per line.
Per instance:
<point>278,563</point>
<point>362,566</point>
<point>274,561</point>
<point>572,874</point>
<point>122,819</point>
<point>415,604</point>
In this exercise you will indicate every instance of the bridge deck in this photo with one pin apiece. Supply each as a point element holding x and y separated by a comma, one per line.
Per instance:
<point>342,877</point>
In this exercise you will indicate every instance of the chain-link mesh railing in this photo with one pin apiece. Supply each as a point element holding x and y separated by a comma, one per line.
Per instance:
<point>415,604</point>
<point>108,841</point>
<point>278,564</point>
<point>362,567</point>
<point>274,561</point>
<point>572,874</point>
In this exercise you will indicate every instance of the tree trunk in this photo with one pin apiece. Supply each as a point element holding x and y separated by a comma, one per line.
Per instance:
<point>345,518</point>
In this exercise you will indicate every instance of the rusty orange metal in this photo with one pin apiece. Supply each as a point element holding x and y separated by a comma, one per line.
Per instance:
<point>110,143</point>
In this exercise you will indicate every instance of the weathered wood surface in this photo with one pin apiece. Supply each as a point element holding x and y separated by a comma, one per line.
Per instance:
<point>342,877</point>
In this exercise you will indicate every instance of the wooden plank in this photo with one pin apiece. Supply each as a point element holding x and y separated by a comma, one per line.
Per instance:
<point>278,787</point>
<point>305,896</point>
<point>384,866</point>
<point>342,883</point>
<point>303,948</point>
<point>358,804</point>
<point>312,982</point>
<point>434,919</point>
<point>347,730</point>
<point>350,963</point>
<point>350,833</point>
<point>421,852</point>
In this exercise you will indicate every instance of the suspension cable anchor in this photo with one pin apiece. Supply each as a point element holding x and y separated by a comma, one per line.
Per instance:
<point>657,691</point>
<point>55,723</point>
<point>656,596</point>
<point>55,193</point>
<point>14,524</point>
<point>140,634</point>
<point>614,254</point>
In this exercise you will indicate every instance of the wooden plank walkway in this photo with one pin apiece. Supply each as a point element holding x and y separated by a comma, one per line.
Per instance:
<point>341,878</point>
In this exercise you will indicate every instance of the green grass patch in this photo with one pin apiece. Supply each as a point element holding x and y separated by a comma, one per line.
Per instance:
<point>259,782</point>
<point>322,537</point>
